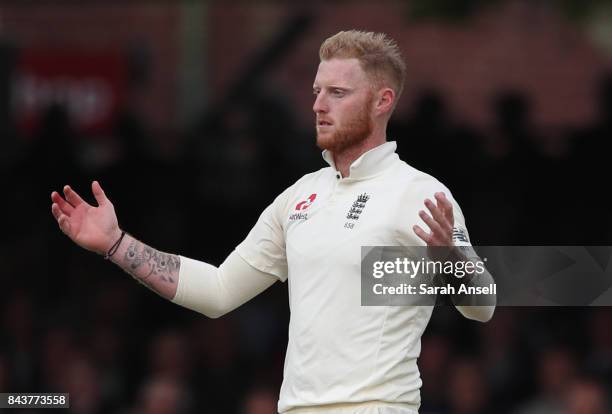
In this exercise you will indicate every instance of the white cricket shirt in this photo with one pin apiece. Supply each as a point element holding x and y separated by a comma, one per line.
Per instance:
<point>311,235</point>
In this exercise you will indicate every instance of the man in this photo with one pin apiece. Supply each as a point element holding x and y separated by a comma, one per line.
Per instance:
<point>341,357</point>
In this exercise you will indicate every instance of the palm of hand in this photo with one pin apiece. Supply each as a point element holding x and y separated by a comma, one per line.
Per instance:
<point>93,228</point>
<point>90,226</point>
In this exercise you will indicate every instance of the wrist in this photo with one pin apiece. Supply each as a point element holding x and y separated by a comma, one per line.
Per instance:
<point>113,239</point>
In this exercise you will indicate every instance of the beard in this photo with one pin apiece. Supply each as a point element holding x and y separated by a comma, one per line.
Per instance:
<point>354,131</point>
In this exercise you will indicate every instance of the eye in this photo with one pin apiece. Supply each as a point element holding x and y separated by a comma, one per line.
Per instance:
<point>315,92</point>
<point>338,93</point>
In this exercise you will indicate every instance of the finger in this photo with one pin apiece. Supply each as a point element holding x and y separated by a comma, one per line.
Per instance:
<point>72,197</point>
<point>447,207</point>
<point>423,235</point>
<point>64,224</point>
<point>62,204</point>
<point>55,210</point>
<point>436,230</point>
<point>437,214</point>
<point>98,193</point>
<point>444,203</point>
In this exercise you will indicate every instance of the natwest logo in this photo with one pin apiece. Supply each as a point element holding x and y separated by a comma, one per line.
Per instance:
<point>303,205</point>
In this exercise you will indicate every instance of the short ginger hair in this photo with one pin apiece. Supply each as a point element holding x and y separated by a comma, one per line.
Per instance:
<point>378,55</point>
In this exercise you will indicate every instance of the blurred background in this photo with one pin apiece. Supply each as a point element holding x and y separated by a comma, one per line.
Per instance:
<point>195,115</point>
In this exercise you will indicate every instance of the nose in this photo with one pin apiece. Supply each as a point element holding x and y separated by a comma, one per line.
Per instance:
<point>320,105</point>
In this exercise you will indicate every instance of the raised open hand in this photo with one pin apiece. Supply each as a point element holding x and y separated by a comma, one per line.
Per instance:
<point>440,222</point>
<point>93,228</point>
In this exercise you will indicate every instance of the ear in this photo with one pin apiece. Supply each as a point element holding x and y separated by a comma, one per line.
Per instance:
<point>385,98</point>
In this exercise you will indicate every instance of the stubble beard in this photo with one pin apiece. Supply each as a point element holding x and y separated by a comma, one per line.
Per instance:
<point>354,132</point>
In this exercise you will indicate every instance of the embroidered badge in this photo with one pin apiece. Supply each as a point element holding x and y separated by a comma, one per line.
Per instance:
<point>356,209</point>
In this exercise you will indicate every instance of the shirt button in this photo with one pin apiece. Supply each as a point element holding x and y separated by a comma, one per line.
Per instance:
<point>338,176</point>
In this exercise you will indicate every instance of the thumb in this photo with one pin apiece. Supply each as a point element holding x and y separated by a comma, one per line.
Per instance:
<point>98,193</point>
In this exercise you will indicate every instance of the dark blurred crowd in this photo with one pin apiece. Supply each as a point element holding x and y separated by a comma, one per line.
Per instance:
<point>73,323</point>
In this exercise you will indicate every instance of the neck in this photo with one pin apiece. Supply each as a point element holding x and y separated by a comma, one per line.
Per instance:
<point>343,159</point>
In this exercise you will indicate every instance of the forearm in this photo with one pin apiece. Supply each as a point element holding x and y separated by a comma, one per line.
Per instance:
<point>478,307</point>
<point>204,288</point>
<point>214,291</point>
<point>157,270</point>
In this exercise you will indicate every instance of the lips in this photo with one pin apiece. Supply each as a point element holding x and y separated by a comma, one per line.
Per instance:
<point>323,122</point>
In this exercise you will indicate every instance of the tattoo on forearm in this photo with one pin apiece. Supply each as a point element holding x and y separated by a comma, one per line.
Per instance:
<point>164,265</point>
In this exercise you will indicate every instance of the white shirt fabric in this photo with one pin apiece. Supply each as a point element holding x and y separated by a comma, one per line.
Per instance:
<point>311,235</point>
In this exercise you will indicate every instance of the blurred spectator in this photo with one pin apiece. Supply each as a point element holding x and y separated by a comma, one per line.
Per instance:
<point>556,371</point>
<point>512,172</point>
<point>57,349</point>
<point>162,396</point>
<point>18,337</point>
<point>260,400</point>
<point>221,373</point>
<point>468,392</point>
<point>107,349</point>
<point>599,359</point>
<point>169,356</point>
<point>592,146</point>
<point>502,357</point>
<point>586,397</point>
<point>433,362</point>
<point>80,379</point>
<point>426,130</point>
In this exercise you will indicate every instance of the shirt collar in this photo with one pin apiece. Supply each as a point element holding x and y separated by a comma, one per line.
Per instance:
<point>370,162</point>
